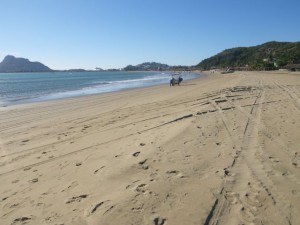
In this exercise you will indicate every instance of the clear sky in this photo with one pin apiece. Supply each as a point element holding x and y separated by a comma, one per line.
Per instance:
<point>66,34</point>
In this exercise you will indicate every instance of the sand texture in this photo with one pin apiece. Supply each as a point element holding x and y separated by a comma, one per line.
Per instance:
<point>223,149</point>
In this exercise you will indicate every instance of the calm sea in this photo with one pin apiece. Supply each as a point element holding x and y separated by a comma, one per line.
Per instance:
<point>18,88</point>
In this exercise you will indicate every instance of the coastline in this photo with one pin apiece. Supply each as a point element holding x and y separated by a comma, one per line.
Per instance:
<point>63,85</point>
<point>156,155</point>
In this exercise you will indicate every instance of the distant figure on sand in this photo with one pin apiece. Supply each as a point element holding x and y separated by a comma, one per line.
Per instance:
<point>174,81</point>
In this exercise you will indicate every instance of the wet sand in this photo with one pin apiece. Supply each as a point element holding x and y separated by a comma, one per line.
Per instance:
<point>223,149</point>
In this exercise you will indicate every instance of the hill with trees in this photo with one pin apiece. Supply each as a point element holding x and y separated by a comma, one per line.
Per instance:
<point>11,64</point>
<point>270,55</point>
<point>147,66</point>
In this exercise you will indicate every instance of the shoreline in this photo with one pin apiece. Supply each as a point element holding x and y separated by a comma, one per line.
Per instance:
<point>82,92</point>
<point>155,155</point>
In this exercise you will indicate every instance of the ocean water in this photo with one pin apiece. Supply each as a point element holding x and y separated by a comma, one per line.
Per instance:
<point>19,88</point>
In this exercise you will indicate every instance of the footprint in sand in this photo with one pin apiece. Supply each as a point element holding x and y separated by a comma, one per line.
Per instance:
<point>95,207</point>
<point>21,220</point>
<point>52,217</point>
<point>71,186</point>
<point>273,159</point>
<point>97,170</point>
<point>227,172</point>
<point>130,185</point>
<point>136,154</point>
<point>173,173</point>
<point>76,199</point>
<point>252,199</point>
<point>138,208</point>
<point>246,215</point>
<point>143,165</point>
<point>141,188</point>
<point>116,156</point>
<point>156,220</point>
<point>159,221</point>
<point>109,209</point>
<point>34,180</point>
<point>232,197</point>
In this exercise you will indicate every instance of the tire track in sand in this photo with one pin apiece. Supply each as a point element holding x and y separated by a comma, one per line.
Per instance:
<point>252,188</point>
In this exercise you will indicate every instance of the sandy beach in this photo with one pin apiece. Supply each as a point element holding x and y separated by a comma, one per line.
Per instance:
<point>223,149</point>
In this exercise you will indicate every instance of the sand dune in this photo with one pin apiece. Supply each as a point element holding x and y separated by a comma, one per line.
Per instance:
<point>223,149</point>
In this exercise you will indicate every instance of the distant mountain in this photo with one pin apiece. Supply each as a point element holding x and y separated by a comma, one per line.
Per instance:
<point>269,55</point>
<point>12,64</point>
<point>147,66</point>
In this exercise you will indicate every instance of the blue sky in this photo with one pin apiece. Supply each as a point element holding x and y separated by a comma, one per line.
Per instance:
<point>66,34</point>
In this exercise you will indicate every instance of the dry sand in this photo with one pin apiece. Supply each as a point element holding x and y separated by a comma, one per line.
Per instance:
<point>224,149</point>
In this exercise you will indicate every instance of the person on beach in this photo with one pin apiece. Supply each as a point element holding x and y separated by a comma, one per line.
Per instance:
<point>180,79</point>
<point>172,81</point>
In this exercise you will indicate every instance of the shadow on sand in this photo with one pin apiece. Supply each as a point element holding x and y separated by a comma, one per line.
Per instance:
<point>182,84</point>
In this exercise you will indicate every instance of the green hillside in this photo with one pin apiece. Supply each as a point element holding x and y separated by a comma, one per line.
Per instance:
<point>147,66</point>
<point>270,55</point>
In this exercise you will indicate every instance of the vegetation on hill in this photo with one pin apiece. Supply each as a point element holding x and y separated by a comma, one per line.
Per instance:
<point>147,66</point>
<point>270,55</point>
<point>11,64</point>
<point>153,66</point>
